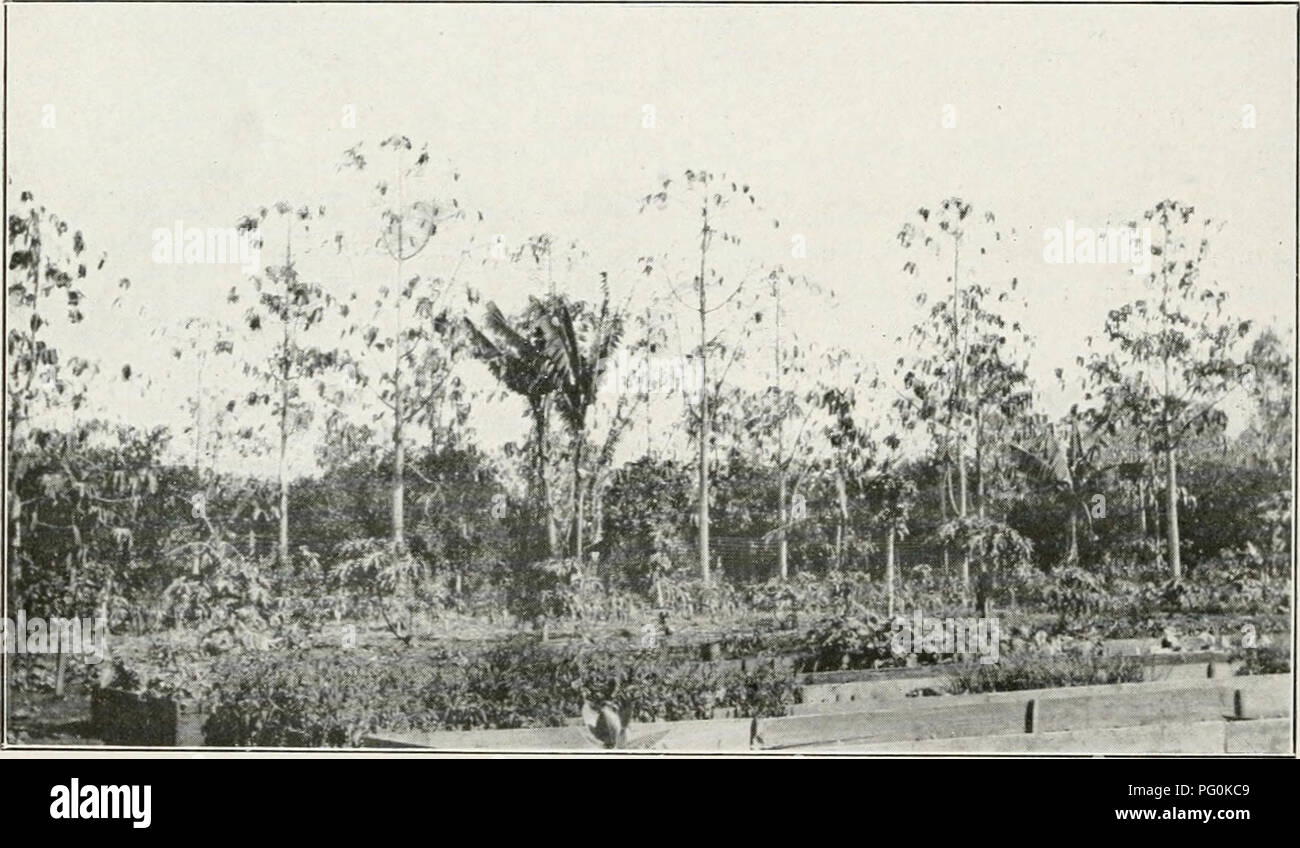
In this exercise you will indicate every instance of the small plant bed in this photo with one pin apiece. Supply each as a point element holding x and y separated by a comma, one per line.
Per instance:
<point>1035,672</point>
<point>1266,660</point>
<point>1150,662</point>
<point>293,701</point>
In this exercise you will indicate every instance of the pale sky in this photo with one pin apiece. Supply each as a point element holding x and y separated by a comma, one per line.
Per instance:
<point>834,115</point>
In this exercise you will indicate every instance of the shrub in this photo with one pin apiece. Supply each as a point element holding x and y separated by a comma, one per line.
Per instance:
<point>1268,660</point>
<point>168,669</point>
<point>1073,592</point>
<point>847,642</point>
<point>1037,672</point>
<point>297,700</point>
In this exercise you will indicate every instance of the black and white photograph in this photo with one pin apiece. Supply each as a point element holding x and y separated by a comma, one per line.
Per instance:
<point>642,380</point>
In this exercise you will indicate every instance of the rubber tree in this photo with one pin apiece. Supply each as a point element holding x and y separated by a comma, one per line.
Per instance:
<point>891,496</point>
<point>715,198</point>
<point>412,337</point>
<point>1171,355</point>
<point>966,366</point>
<point>287,307</point>
<point>47,272</point>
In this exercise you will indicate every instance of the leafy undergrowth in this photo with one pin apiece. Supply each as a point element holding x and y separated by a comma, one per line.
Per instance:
<point>1035,672</point>
<point>1270,660</point>
<point>285,700</point>
<point>42,719</point>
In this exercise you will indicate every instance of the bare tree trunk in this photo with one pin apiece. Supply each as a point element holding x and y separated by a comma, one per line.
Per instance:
<point>944,483</point>
<point>889,568</point>
<point>1175,556</point>
<point>962,512</point>
<point>783,513</point>
<point>398,491</point>
<point>1155,513</point>
<point>283,550</point>
<point>13,558</point>
<point>578,501</point>
<point>704,409</point>
<point>544,487</point>
<point>596,497</point>
<point>399,480</point>
<point>60,672</point>
<point>1142,505</point>
<point>959,312</point>
<point>841,494</point>
<point>979,459</point>
<point>783,547</point>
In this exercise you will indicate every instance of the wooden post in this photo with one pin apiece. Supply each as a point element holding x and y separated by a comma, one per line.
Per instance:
<point>1031,716</point>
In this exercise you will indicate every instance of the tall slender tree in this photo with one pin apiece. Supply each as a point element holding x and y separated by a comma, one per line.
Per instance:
<point>1172,355</point>
<point>968,367</point>
<point>47,272</point>
<point>713,195</point>
<point>288,307</point>
<point>412,338</point>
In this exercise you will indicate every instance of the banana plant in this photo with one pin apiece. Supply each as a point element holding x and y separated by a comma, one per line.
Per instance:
<point>1068,465</point>
<point>516,352</point>
<point>580,348</point>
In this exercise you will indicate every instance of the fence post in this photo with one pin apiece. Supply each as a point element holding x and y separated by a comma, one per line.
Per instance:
<point>1031,716</point>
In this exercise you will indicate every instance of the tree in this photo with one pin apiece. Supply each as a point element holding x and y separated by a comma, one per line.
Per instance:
<point>789,364</point>
<point>852,444</point>
<point>579,347</point>
<point>288,307</point>
<point>753,426</point>
<point>1171,354</point>
<point>996,547</point>
<point>645,519</point>
<point>967,375</point>
<point>1065,461</point>
<point>212,404</point>
<point>517,355</point>
<point>891,496</point>
<point>83,491</point>
<point>414,331</point>
<point>1270,371</point>
<point>46,273</point>
<point>713,193</point>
